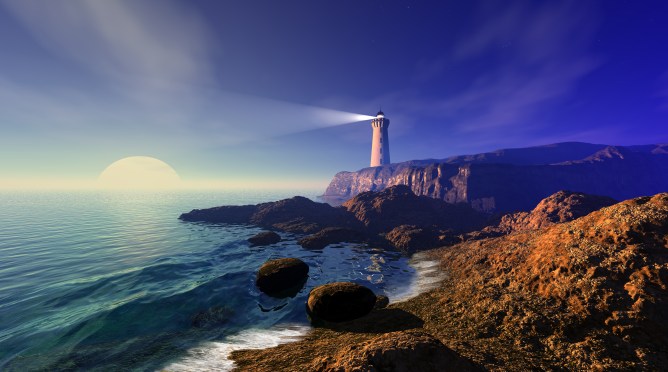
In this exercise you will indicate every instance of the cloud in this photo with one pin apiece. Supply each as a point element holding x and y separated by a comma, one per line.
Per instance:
<point>534,56</point>
<point>542,53</point>
<point>153,64</point>
<point>157,41</point>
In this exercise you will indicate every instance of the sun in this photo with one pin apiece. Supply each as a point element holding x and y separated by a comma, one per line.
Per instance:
<point>139,172</point>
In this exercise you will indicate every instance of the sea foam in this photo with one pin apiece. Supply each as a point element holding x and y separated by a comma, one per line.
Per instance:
<point>428,276</point>
<point>214,356</point>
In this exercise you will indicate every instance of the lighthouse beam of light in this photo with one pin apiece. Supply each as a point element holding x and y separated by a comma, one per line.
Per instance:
<point>273,118</point>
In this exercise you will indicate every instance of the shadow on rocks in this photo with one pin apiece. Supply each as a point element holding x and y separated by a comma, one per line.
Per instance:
<point>378,321</point>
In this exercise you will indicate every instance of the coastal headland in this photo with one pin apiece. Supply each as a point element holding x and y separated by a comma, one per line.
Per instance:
<point>576,281</point>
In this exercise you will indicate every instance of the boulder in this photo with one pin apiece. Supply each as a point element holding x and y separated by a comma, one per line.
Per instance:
<point>340,301</point>
<point>280,277</point>
<point>396,351</point>
<point>265,238</point>
<point>331,235</point>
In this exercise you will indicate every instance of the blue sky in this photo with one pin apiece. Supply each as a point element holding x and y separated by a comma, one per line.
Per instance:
<point>263,92</point>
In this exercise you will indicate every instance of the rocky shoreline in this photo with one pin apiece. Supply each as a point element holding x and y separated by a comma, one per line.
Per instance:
<point>557,287</point>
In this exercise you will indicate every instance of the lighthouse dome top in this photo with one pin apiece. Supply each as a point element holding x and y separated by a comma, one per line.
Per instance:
<point>380,114</point>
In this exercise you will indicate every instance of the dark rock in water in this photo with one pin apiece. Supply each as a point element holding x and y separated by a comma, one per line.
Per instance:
<point>372,213</point>
<point>396,351</point>
<point>212,317</point>
<point>381,302</point>
<point>265,238</point>
<point>331,235</point>
<point>410,239</point>
<point>517,179</point>
<point>282,277</point>
<point>397,205</point>
<point>297,214</point>
<point>235,214</point>
<point>340,301</point>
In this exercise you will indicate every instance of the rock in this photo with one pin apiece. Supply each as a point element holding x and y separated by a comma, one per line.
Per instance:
<point>410,239</point>
<point>562,206</point>
<point>370,212</point>
<point>331,235</point>
<point>212,317</point>
<point>397,205</point>
<point>596,287</point>
<point>265,238</point>
<point>396,351</point>
<point>381,302</point>
<point>588,294</point>
<point>282,276</point>
<point>340,301</point>
<point>297,214</point>
<point>517,179</point>
<point>234,214</point>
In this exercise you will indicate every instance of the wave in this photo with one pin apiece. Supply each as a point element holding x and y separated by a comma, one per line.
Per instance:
<point>428,276</point>
<point>214,355</point>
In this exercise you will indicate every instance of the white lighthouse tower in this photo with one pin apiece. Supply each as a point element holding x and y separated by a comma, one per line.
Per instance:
<point>380,144</point>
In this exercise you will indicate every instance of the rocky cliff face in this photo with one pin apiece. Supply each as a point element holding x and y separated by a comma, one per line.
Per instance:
<point>517,179</point>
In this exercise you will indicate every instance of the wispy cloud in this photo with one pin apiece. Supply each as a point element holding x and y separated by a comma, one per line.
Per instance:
<point>541,51</point>
<point>155,62</point>
<point>157,41</point>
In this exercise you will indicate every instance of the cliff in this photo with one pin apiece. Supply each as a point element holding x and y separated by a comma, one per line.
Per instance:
<point>517,179</point>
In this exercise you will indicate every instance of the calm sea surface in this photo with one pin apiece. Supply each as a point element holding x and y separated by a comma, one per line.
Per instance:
<point>114,281</point>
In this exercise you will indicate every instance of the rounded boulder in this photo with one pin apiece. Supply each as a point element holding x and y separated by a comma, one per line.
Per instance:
<point>341,301</point>
<point>280,276</point>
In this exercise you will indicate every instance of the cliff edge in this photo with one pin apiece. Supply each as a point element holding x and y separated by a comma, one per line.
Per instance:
<point>517,179</point>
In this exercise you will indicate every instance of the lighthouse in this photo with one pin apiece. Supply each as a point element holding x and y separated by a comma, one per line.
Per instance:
<point>380,143</point>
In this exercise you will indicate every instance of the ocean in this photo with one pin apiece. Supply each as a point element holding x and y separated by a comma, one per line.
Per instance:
<point>94,280</point>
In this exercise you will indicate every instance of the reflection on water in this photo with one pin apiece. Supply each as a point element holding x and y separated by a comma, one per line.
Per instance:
<point>115,281</point>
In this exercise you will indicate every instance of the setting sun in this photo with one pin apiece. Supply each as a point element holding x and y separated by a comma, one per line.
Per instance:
<point>139,172</point>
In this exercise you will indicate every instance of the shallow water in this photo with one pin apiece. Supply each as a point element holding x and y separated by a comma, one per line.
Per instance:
<point>102,281</point>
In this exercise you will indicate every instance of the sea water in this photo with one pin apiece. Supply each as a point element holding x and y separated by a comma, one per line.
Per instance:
<point>114,281</point>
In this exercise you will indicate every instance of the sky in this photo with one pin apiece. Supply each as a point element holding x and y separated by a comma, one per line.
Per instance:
<point>271,93</point>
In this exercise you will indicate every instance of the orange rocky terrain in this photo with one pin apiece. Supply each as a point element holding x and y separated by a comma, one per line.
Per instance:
<point>589,294</point>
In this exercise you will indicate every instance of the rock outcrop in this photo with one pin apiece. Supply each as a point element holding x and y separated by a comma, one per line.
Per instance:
<point>297,214</point>
<point>332,235</point>
<point>398,205</point>
<point>410,239</point>
<point>264,238</point>
<point>562,206</point>
<point>360,219</point>
<point>517,179</point>
<point>591,293</point>
<point>340,301</point>
<point>282,277</point>
<point>396,351</point>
